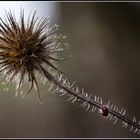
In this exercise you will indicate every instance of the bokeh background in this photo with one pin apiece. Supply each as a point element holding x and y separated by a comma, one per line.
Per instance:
<point>104,43</point>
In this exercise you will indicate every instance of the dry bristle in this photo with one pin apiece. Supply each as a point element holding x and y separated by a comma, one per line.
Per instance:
<point>24,47</point>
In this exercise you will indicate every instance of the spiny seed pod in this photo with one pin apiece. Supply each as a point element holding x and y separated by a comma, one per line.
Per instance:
<point>26,48</point>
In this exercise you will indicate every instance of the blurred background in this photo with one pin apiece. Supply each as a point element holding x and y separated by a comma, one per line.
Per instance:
<point>104,43</point>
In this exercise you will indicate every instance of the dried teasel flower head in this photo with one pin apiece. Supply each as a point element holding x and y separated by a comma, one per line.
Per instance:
<point>26,49</point>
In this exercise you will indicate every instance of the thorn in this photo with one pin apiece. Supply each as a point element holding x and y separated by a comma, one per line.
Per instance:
<point>56,90</point>
<point>131,128</point>
<point>114,108</point>
<point>75,99</point>
<point>95,98</point>
<point>108,104</point>
<point>64,81</point>
<point>134,119</point>
<point>67,84</point>
<point>124,124</point>
<point>61,90</point>
<point>124,112</point>
<point>62,94</point>
<point>73,89</point>
<point>135,131</point>
<point>116,119</point>
<point>101,101</point>
<point>138,131</point>
<point>93,109</point>
<point>59,78</point>
<point>88,106</point>
<point>86,95</point>
<point>98,99</point>
<point>51,87</point>
<point>110,116</point>
<point>121,110</point>
<point>89,97</point>
<point>84,104</point>
<point>77,90</point>
<point>117,110</point>
<point>83,91</point>
<point>72,84</point>
<point>111,106</point>
<point>70,98</point>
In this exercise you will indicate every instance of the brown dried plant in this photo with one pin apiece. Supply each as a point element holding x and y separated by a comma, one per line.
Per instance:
<point>29,49</point>
<point>24,49</point>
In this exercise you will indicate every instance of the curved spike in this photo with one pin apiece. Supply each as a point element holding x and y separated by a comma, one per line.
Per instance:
<point>111,116</point>
<point>134,119</point>
<point>124,124</point>
<point>28,90</point>
<point>56,90</point>
<point>114,108</point>
<point>70,98</point>
<point>51,87</point>
<point>75,99</point>
<point>60,77</point>
<point>111,106</point>
<point>135,131</point>
<point>117,110</point>
<point>98,99</point>
<point>93,109</point>
<point>121,111</point>
<point>76,90</point>
<point>90,96</point>
<point>72,84</point>
<point>116,119</point>
<point>88,106</point>
<point>108,104</point>
<point>62,91</point>
<point>124,112</point>
<point>101,101</point>
<point>84,104</point>
<point>138,131</point>
<point>83,91</point>
<point>95,98</point>
<point>131,128</point>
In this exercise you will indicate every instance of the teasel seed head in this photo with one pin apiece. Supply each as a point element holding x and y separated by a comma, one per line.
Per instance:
<point>28,49</point>
<point>25,48</point>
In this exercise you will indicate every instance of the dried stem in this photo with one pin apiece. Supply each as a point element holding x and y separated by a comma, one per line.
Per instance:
<point>112,111</point>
